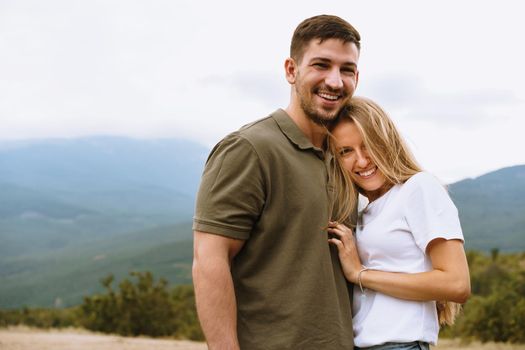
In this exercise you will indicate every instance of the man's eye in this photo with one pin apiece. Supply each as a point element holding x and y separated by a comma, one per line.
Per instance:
<point>320,65</point>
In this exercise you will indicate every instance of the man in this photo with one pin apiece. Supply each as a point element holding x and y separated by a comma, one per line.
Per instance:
<point>264,274</point>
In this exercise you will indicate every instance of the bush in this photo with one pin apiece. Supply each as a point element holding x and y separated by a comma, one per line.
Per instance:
<point>145,307</point>
<point>497,310</point>
<point>40,318</point>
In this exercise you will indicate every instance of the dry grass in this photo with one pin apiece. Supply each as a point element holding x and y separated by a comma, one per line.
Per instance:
<point>22,338</point>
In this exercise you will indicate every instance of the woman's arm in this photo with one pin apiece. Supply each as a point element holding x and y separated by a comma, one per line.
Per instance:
<point>448,280</point>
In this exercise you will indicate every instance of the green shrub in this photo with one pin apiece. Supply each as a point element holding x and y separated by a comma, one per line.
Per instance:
<point>143,307</point>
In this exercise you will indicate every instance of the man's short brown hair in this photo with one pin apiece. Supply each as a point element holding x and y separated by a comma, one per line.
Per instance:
<point>321,27</point>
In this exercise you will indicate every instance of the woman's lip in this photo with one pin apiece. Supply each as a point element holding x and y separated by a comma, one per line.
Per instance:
<point>367,173</point>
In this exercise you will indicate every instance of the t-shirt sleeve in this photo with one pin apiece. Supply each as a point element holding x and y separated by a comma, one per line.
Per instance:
<point>429,211</point>
<point>232,191</point>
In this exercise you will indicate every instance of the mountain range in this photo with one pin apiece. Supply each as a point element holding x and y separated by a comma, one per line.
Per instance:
<point>492,209</point>
<point>74,210</point>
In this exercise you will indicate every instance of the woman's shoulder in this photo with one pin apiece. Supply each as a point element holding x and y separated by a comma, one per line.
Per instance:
<point>423,181</point>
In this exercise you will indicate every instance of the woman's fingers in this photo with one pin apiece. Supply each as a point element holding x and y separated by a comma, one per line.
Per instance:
<point>337,243</point>
<point>336,225</point>
<point>341,231</point>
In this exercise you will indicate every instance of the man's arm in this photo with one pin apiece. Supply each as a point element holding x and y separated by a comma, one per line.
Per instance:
<point>214,292</point>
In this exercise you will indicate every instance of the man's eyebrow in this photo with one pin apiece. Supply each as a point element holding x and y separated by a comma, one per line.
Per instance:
<point>327,60</point>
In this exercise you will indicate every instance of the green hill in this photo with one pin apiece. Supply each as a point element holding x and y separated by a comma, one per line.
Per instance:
<point>74,210</point>
<point>63,276</point>
<point>492,209</point>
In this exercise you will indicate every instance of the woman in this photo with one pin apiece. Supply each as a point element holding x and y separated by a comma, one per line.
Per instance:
<point>408,249</point>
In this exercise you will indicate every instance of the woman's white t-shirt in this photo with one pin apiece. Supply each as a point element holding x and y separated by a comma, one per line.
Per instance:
<point>392,235</point>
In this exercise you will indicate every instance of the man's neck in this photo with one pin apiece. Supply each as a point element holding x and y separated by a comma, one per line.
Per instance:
<point>314,132</point>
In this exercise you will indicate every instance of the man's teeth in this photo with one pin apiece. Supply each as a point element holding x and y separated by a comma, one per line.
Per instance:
<point>367,173</point>
<point>328,96</point>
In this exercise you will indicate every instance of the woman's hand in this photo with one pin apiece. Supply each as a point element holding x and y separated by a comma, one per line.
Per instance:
<point>344,240</point>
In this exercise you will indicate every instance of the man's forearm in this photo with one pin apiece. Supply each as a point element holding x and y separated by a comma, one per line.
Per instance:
<point>216,305</point>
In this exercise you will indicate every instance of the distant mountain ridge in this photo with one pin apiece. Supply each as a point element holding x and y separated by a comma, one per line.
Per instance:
<point>74,210</point>
<point>103,163</point>
<point>492,209</point>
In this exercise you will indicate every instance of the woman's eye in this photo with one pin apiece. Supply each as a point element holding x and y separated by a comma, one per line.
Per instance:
<point>343,152</point>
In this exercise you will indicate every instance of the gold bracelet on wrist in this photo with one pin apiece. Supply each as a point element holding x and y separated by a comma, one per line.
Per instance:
<point>359,279</point>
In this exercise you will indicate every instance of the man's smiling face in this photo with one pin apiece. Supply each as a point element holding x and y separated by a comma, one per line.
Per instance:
<point>326,78</point>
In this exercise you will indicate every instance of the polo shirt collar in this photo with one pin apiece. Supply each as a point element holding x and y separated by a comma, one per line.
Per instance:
<point>292,131</point>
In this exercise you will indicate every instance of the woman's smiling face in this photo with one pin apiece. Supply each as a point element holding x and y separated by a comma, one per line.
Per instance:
<point>356,160</point>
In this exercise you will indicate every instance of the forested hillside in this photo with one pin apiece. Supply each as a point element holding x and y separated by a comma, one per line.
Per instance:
<point>492,209</point>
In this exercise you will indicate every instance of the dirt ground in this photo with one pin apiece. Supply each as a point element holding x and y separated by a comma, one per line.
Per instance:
<point>21,338</point>
<point>449,344</point>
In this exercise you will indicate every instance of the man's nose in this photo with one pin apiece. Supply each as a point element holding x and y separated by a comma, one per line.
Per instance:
<point>334,80</point>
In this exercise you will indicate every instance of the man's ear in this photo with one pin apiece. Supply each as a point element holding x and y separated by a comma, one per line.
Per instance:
<point>290,69</point>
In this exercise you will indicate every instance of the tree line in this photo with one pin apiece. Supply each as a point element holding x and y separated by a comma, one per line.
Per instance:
<point>140,305</point>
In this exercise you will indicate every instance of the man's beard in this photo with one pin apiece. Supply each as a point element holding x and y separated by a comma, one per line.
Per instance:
<point>323,119</point>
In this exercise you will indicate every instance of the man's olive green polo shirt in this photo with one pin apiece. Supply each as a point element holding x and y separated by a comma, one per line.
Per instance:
<point>267,184</point>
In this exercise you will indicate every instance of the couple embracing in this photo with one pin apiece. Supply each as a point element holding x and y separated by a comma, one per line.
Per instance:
<point>283,258</point>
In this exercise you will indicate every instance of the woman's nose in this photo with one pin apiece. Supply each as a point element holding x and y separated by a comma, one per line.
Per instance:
<point>362,159</point>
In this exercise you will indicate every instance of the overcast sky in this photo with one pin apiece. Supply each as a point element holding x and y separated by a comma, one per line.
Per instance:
<point>450,73</point>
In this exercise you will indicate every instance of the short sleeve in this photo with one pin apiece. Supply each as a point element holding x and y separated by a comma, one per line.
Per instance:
<point>429,211</point>
<point>231,195</point>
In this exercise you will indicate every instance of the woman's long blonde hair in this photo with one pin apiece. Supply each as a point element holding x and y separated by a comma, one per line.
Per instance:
<point>389,152</point>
